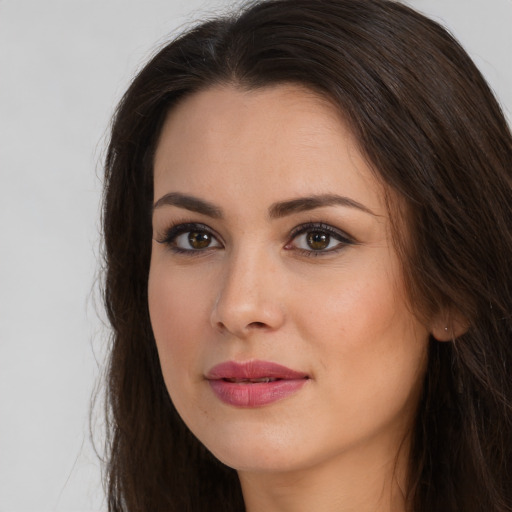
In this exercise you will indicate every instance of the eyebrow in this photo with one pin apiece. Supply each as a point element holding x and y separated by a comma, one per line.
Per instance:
<point>191,203</point>
<point>276,210</point>
<point>282,209</point>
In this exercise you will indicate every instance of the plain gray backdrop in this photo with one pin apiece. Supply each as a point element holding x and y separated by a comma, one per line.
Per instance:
<point>63,66</point>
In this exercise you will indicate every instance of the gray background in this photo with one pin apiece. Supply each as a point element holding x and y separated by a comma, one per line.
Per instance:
<point>63,66</point>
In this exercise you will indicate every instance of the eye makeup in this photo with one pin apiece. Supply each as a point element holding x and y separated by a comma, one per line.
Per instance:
<point>309,239</point>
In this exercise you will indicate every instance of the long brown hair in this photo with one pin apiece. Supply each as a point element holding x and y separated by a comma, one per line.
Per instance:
<point>433,132</point>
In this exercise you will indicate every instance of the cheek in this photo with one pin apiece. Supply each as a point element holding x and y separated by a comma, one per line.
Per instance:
<point>354,305</point>
<point>359,326</point>
<point>364,314</point>
<point>179,314</point>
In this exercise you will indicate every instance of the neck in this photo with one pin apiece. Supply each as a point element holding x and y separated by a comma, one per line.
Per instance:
<point>362,480</point>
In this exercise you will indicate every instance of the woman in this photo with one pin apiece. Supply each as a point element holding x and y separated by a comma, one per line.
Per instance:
<point>307,237</point>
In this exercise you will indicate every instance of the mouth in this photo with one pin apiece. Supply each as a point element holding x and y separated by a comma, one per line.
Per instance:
<point>254,383</point>
<point>251,381</point>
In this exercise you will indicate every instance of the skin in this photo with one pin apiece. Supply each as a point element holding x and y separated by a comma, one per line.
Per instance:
<point>256,291</point>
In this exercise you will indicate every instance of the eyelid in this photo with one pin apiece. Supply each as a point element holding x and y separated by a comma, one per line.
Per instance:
<point>344,238</point>
<point>178,228</point>
<point>321,226</point>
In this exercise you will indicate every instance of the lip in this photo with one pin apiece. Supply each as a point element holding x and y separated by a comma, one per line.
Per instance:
<point>234,383</point>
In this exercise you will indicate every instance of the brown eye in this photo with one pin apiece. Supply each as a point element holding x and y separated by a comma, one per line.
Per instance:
<point>191,237</point>
<point>317,240</point>
<point>199,239</point>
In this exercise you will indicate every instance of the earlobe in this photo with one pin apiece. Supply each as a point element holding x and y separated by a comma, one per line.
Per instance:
<point>449,327</point>
<point>442,333</point>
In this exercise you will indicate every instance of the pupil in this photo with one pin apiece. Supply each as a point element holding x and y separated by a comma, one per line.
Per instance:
<point>199,240</point>
<point>317,240</point>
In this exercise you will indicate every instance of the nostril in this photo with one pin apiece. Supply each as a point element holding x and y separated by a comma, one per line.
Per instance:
<point>221,327</point>
<point>257,325</point>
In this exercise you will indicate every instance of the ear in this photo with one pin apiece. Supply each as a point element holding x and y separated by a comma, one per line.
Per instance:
<point>448,326</point>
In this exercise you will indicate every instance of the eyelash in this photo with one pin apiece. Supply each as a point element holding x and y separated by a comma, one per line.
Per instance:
<point>320,227</point>
<point>174,231</point>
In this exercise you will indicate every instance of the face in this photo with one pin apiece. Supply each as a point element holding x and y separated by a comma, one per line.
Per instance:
<point>275,294</point>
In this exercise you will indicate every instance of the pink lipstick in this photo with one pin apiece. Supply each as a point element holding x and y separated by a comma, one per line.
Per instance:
<point>254,383</point>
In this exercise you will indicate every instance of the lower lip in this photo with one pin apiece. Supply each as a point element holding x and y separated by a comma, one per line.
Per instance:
<point>255,394</point>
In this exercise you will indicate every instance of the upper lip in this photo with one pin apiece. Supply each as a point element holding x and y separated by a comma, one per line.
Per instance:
<point>253,370</point>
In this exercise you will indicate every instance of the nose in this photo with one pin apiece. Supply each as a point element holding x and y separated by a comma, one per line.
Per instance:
<point>250,298</point>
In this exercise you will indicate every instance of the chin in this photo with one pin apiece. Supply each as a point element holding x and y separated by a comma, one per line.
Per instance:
<point>259,459</point>
<point>257,447</point>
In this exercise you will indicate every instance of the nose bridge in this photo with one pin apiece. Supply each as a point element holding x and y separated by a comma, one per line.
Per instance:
<point>248,297</point>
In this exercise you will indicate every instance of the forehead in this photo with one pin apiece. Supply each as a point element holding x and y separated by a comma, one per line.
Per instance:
<point>276,142</point>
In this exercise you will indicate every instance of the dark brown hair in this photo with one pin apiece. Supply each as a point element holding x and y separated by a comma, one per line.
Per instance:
<point>430,127</point>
